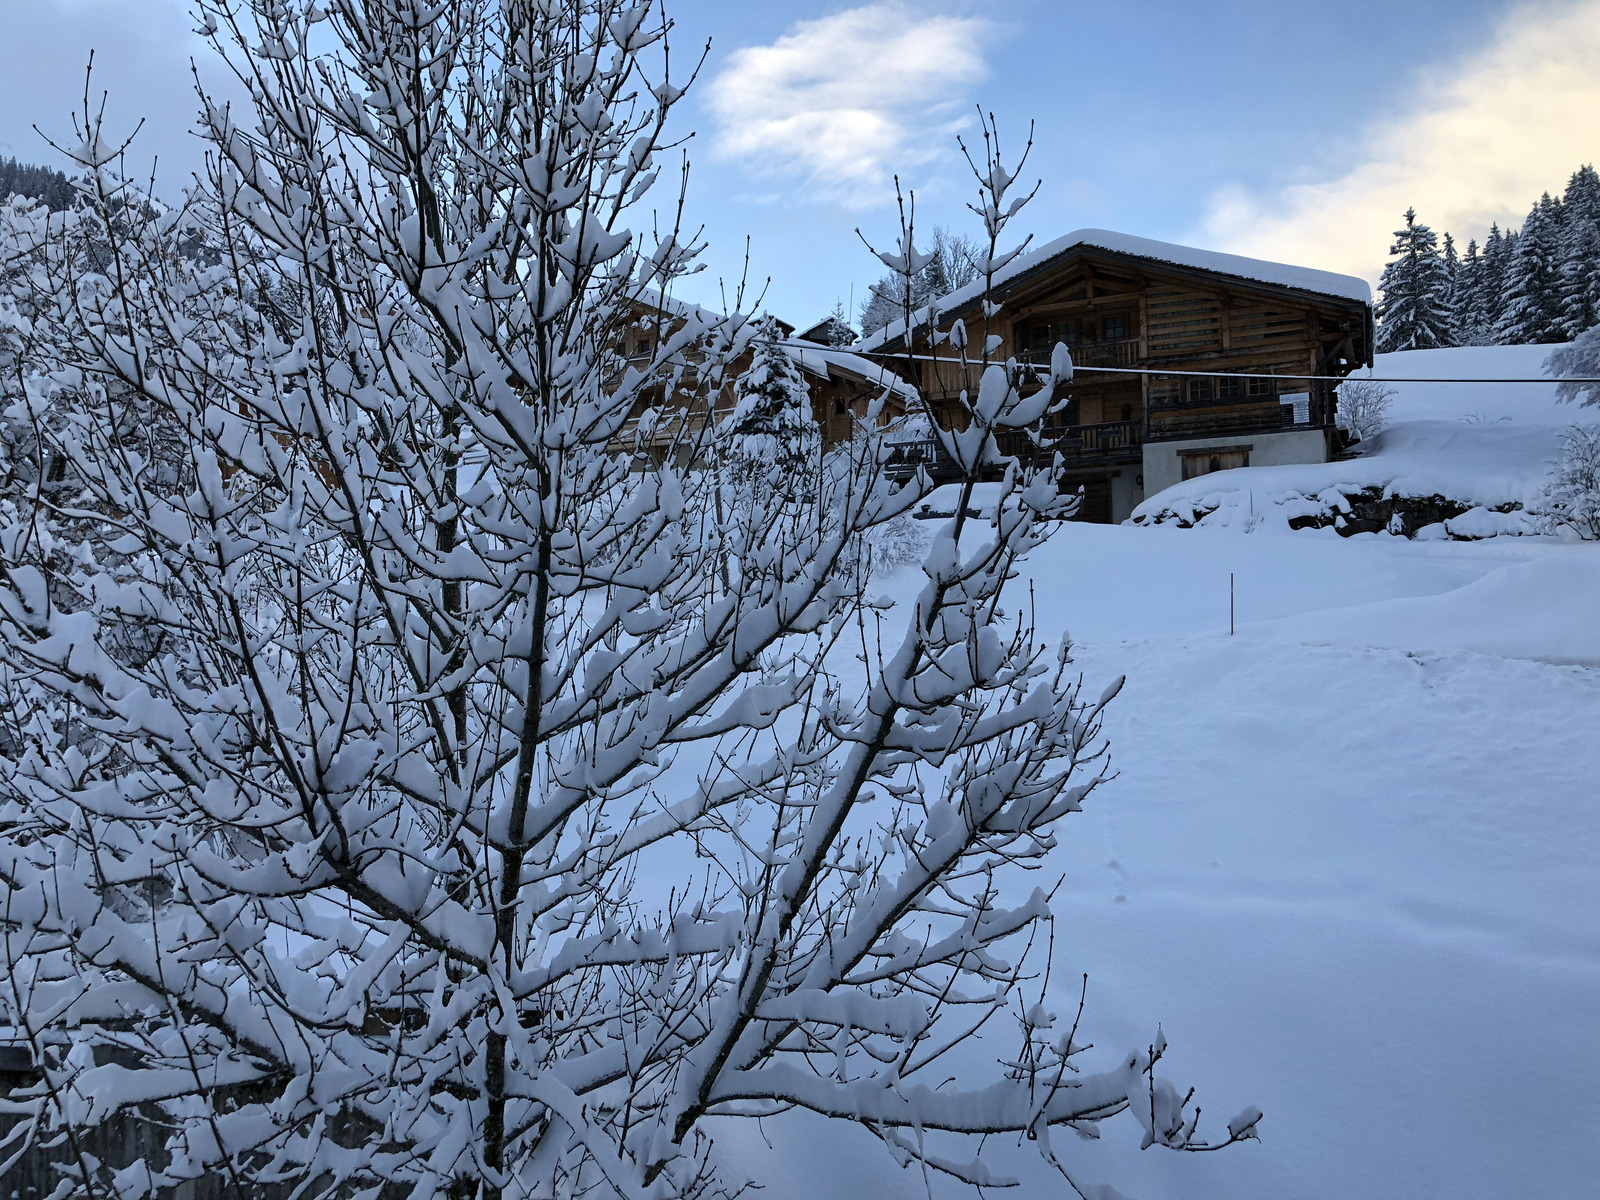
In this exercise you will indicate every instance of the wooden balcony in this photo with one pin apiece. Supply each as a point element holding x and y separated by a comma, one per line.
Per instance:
<point>1201,406</point>
<point>1122,352</point>
<point>1108,444</point>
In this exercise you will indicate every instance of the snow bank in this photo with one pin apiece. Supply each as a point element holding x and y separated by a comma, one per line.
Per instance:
<point>1546,609</point>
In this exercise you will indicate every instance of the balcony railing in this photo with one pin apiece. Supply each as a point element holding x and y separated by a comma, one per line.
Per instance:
<point>1108,442</point>
<point>1121,352</point>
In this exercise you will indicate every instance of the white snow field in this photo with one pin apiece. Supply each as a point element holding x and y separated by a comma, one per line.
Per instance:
<point>1351,864</point>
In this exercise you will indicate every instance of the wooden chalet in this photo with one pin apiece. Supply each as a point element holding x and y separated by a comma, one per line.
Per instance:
<point>1197,361</point>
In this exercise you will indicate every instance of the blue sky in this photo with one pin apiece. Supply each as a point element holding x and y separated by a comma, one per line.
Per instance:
<point>1283,128</point>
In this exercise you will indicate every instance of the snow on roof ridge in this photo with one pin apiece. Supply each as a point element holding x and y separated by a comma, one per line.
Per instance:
<point>1309,279</point>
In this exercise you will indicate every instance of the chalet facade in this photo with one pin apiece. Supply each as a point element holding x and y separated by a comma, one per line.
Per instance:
<point>1195,361</point>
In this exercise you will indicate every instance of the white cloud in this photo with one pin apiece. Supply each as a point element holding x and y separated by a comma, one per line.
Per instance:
<point>846,100</point>
<point>1477,141</point>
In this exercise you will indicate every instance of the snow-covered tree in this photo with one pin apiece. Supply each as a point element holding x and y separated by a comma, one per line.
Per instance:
<point>1575,364</point>
<point>1571,497</point>
<point>1364,407</point>
<point>406,803</point>
<point>837,327</point>
<point>1580,278</point>
<point>1498,249</point>
<point>1580,253</point>
<point>1414,312</point>
<point>1469,301</point>
<point>44,184</point>
<point>1531,312</point>
<point>952,264</point>
<point>771,436</point>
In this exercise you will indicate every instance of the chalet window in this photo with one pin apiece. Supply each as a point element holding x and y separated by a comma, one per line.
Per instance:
<point>1127,412</point>
<point>646,346</point>
<point>1198,391</point>
<point>1231,389</point>
<point>1039,339</point>
<point>841,407</point>
<point>1115,328</point>
<point>1263,387</point>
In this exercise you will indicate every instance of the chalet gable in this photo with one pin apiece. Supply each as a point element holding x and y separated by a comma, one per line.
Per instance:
<point>1096,268</point>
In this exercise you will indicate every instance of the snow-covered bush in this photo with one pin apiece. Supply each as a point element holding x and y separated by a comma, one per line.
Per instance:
<point>1574,363</point>
<point>1572,496</point>
<point>1364,407</point>
<point>897,544</point>
<point>415,798</point>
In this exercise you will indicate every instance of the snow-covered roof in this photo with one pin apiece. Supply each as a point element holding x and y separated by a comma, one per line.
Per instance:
<point>817,359</point>
<point>1306,279</point>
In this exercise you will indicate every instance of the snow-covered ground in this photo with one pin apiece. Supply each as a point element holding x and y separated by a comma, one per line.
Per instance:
<point>1486,446</point>
<point>1351,863</point>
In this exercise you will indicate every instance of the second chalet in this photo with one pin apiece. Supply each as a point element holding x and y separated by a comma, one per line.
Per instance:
<point>1197,361</point>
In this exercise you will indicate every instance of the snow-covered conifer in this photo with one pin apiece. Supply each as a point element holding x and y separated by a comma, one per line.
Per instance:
<point>1497,251</point>
<point>421,794</point>
<point>1580,253</point>
<point>1580,277</point>
<point>1531,312</point>
<point>838,331</point>
<point>1414,312</point>
<point>1473,324</point>
<point>772,427</point>
<point>1576,363</point>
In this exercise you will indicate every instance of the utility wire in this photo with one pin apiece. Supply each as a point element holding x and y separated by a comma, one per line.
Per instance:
<point>955,362</point>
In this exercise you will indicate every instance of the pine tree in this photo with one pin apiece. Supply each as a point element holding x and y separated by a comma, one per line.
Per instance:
<point>1582,197</point>
<point>1414,313</point>
<point>1532,288</point>
<point>1580,278</point>
<point>1491,282</point>
<point>1452,274</point>
<point>1580,253</point>
<point>48,186</point>
<point>1473,327</point>
<point>838,331</point>
<point>772,426</point>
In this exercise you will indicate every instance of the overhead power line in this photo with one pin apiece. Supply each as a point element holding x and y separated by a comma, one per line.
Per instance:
<point>953,362</point>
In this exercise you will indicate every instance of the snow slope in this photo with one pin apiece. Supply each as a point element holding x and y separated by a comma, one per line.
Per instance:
<point>1349,866</point>
<point>1484,445</point>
